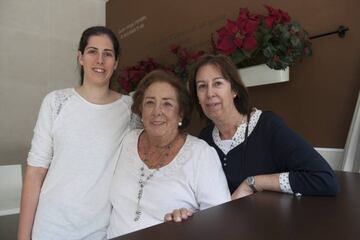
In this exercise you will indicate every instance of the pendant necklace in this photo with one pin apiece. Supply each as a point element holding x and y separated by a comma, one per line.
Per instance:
<point>143,180</point>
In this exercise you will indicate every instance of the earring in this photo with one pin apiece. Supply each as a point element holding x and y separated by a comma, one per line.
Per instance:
<point>180,123</point>
<point>141,120</point>
<point>235,95</point>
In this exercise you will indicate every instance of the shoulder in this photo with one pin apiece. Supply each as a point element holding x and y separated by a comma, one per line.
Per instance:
<point>130,140</point>
<point>206,132</point>
<point>133,133</point>
<point>270,119</point>
<point>60,95</point>
<point>269,115</point>
<point>202,155</point>
<point>197,142</point>
<point>127,99</point>
<point>56,98</point>
<point>200,147</point>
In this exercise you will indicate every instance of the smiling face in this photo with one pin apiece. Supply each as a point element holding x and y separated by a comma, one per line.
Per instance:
<point>98,60</point>
<point>215,95</point>
<point>160,110</point>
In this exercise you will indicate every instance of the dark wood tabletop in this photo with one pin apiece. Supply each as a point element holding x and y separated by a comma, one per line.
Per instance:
<point>270,215</point>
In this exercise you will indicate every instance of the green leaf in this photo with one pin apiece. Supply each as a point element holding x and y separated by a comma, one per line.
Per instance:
<point>238,57</point>
<point>268,52</point>
<point>295,41</point>
<point>295,27</point>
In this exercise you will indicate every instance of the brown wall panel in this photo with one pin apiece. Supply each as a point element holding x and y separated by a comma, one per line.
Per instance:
<point>320,98</point>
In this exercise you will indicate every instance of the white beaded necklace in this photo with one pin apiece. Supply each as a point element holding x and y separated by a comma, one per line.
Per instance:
<point>143,179</point>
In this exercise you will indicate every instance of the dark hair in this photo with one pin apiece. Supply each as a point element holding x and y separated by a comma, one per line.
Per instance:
<point>182,94</point>
<point>230,73</point>
<point>97,31</point>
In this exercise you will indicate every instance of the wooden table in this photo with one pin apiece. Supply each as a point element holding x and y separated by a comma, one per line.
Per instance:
<point>269,215</point>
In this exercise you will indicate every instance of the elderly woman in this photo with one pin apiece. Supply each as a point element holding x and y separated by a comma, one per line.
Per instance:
<point>257,150</point>
<point>162,168</point>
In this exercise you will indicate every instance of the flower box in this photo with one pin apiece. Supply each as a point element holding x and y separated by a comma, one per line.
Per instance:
<point>262,75</point>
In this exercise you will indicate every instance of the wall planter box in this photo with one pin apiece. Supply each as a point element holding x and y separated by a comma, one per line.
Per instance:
<point>262,75</point>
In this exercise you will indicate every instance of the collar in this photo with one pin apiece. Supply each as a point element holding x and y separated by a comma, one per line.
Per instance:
<point>239,135</point>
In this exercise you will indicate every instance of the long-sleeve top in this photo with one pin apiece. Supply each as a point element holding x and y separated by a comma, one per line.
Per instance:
<point>272,147</point>
<point>78,142</point>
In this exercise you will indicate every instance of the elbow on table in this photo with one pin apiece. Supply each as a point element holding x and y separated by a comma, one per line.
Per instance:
<point>317,184</point>
<point>330,186</point>
<point>334,187</point>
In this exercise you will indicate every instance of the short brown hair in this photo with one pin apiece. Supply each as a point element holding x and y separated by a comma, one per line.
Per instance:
<point>182,94</point>
<point>230,73</point>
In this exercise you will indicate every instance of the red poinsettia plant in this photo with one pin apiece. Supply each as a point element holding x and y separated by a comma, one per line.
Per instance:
<point>185,60</point>
<point>130,76</point>
<point>274,39</point>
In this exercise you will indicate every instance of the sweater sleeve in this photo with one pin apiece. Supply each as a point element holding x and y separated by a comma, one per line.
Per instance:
<point>212,188</point>
<point>41,150</point>
<point>309,173</point>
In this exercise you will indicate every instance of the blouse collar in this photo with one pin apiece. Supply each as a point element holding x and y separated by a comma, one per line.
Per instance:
<point>239,135</point>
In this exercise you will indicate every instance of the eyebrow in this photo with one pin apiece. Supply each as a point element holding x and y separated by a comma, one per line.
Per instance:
<point>165,98</point>
<point>215,78</point>
<point>106,49</point>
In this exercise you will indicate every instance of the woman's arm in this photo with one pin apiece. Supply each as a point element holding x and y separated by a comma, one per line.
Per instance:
<point>39,159</point>
<point>34,177</point>
<point>300,169</point>
<point>309,173</point>
<point>268,182</point>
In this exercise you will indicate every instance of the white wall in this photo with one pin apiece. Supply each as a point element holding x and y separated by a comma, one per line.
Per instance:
<point>38,42</point>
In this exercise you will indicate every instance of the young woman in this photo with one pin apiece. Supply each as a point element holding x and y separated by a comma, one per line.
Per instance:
<point>74,149</point>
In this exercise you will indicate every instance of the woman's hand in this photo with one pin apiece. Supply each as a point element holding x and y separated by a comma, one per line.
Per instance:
<point>178,215</point>
<point>242,191</point>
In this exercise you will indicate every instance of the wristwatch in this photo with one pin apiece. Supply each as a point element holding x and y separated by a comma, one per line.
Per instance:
<point>251,183</point>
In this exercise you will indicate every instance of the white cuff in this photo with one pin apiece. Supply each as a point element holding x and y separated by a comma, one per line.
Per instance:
<point>285,183</point>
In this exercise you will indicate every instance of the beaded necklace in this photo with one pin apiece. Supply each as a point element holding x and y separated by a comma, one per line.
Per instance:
<point>143,179</point>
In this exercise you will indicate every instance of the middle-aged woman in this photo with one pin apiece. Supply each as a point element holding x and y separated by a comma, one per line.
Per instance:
<point>162,168</point>
<point>74,149</point>
<point>257,150</point>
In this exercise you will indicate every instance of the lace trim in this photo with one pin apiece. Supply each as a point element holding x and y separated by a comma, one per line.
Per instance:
<point>239,135</point>
<point>61,96</point>
<point>135,122</point>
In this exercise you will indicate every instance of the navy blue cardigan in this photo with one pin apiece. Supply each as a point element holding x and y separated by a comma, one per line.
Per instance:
<point>272,147</point>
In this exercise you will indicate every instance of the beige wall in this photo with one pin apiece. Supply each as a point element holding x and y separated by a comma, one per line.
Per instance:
<point>38,41</point>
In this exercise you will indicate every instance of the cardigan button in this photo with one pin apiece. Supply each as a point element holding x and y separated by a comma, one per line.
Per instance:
<point>224,164</point>
<point>224,158</point>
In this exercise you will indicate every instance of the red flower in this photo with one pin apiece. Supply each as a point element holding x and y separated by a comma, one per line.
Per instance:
<point>276,16</point>
<point>125,85</point>
<point>132,75</point>
<point>249,43</point>
<point>239,34</point>
<point>174,48</point>
<point>248,22</point>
